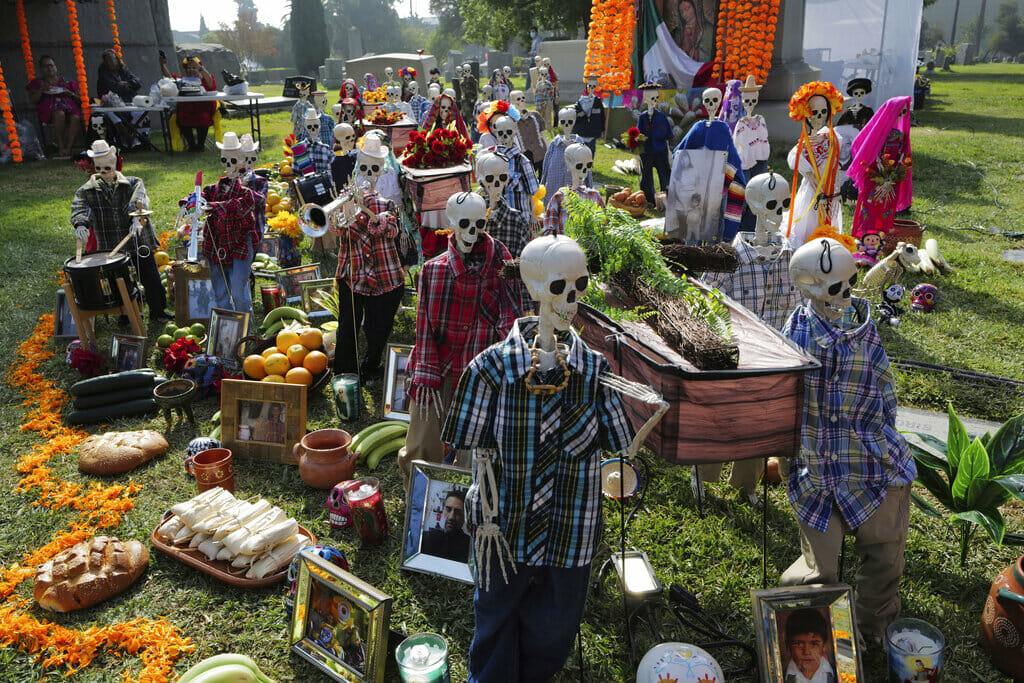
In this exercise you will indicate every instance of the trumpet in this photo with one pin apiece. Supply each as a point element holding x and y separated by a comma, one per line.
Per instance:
<point>314,220</point>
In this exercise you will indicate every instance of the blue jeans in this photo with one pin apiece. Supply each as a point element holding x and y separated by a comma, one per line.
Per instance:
<point>525,629</point>
<point>233,276</point>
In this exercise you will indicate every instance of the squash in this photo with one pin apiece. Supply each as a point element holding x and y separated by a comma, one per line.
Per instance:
<point>116,382</point>
<point>621,195</point>
<point>114,397</point>
<point>108,412</point>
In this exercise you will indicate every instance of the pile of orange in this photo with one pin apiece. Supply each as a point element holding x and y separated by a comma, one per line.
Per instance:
<point>294,358</point>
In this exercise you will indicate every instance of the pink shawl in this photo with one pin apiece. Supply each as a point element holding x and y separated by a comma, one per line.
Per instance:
<point>869,143</point>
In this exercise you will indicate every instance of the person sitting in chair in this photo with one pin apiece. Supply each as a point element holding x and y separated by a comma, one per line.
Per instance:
<point>57,102</point>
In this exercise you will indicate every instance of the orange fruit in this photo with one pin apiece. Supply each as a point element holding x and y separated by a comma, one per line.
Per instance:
<point>277,379</point>
<point>295,353</point>
<point>299,376</point>
<point>273,198</point>
<point>276,364</point>
<point>311,338</point>
<point>269,351</point>
<point>315,362</point>
<point>285,204</point>
<point>253,366</point>
<point>285,339</point>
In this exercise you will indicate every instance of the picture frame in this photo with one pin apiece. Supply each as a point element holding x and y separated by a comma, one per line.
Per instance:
<point>396,389</point>
<point>250,413</point>
<point>270,245</point>
<point>290,280</point>
<point>434,541</point>
<point>226,331</point>
<point>315,312</point>
<point>193,296</point>
<point>127,352</point>
<point>333,610</point>
<point>695,191</point>
<point>181,252</point>
<point>821,617</point>
<point>64,328</point>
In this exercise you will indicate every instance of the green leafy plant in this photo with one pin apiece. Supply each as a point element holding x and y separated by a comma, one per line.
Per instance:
<point>972,479</point>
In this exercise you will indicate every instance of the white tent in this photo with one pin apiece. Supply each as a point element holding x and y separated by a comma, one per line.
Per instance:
<point>876,39</point>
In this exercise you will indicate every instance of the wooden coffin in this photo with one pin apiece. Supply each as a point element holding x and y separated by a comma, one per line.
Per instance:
<point>398,133</point>
<point>753,411</point>
<point>430,188</point>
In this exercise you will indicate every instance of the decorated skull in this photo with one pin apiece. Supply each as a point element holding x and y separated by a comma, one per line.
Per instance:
<point>858,94</point>
<point>329,553</point>
<point>504,129</point>
<point>320,100</point>
<point>492,173</point>
<point>99,126</point>
<point>893,294</point>
<point>924,297</point>
<point>311,124</point>
<point>825,272</point>
<point>337,509</point>
<point>768,197</point>
<point>567,119</point>
<point>554,269</point>
<point>712,100</point>
<point>579,161</point>
<point>467,216</point>
<point>345,137</point>
<point>517,98</point>
<point>197,446</point>
<point>820,114</point>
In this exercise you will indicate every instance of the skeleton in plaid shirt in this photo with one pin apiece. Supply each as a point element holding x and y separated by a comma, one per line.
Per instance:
<point>464,307</point>
<point>320,153</point>
<point>522,178</point>
<point>579,160</point>
<point>555,173</point>
<point>504,223</point>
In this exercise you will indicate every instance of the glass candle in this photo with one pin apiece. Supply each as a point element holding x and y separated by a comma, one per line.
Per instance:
<point>423,658</point>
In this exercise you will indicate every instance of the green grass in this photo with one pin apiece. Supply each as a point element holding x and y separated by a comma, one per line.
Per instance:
<point>964,159</point>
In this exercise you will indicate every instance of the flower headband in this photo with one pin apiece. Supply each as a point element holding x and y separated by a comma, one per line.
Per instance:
<point>799,107</point>
<point>493,109</point>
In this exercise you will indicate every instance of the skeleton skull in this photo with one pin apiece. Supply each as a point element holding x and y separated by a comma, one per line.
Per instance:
<point>487,90</point>
<point>445,106</point>
<point>578,160</point>
<point>370,159</point>
<point>232,157</point>
<point>858,94</point>
<point>893,294</point>
<point>567,119</point>
<point>820,113</point>
<point>311,122</point>
<point>388,73</point>
<point>250,153</point>
<point>517,98</point>
<point>504,130</point>
<point>106,165</point>
<point>537,60</point>
<point>320,101</point>
<point>712,100</point>
<point>458,72</point>
<point>99,126</point>
<point>824,271</point>
<point>492,174</point>
<point>924,297</point>
<point>650,98</point>
<point>467,70</point>
<point>554,269</point>
<point>768,197</point>
<point>467,213</point>
<point>337,508</point>
<point>345,137</point>
<point>394,93</point>
<point>433,92</point>
<point>348,112</point>
<point>414,88</point>
<point>506,71</point>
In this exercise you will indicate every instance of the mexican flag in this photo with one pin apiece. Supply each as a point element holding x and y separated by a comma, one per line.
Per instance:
<point>662,60</point>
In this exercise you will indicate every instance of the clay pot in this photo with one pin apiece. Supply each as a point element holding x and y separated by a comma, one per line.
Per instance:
<point>1002,620</point>
<point>324,457</point>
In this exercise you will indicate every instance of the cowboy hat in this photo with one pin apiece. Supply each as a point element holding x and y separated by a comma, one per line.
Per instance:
<point>371,146</point>
<point>751,85</point>
<point>248,145</point>
<point>100,148</point>
<point>230,144</point>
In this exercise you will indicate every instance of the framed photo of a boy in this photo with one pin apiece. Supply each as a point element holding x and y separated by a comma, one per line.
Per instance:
<point>127,352</point>
<point>291,279</point>
<point>227,329</point>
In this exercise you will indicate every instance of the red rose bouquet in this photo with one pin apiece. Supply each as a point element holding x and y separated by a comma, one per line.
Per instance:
<point>633,138</point>
<point>178,354</point>
<point>439,148</point>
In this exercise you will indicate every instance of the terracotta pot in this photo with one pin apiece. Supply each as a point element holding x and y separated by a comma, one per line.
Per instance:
<point>1002,620</point>
<point>324,457</point>
<point>212,468</point>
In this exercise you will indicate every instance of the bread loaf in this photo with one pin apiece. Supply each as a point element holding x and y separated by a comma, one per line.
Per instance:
<point>89,572</point>
<point>119,452</point>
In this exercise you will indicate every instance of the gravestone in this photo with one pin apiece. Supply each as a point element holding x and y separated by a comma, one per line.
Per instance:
<point>498,60</point>
<point>355,43</point>
<point>334,72</point>
<point>213,56</point>
<point>376,64</point>
<point>455,58</point>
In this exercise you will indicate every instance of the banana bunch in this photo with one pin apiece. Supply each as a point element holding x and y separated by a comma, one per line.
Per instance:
<point>255,538</point>
<point>225,668</point>
<point>215,421</point>
<point>275,321</point>
<point>378,440</point>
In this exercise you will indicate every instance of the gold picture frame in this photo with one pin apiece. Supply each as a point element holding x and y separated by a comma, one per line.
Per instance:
<point>250,412</point>
<point>193,296</point>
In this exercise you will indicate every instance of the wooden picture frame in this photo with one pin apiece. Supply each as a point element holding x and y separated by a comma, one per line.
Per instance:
<point>270,245</point>
<point>396,388</point>
<point>193,296</point>
<point>315,312</point>
<point>127,352</point>
<point>290,280</point>
<point>318,635</point>
<point>226,331</point>
<point>428,544</point>
<point>64,328</point>
<point>827,610</point>
<point>247,410</point>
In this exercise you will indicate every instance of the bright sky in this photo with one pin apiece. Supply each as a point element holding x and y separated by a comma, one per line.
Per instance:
<point>185,13</point>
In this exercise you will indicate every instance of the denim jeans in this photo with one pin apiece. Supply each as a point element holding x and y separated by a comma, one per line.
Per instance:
<point>233,276</point>
<point>525,629</point>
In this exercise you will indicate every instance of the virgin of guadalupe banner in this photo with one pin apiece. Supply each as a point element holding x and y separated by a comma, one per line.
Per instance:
<point>675,38</point>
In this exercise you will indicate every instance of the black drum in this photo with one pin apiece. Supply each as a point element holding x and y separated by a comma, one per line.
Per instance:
<point>315,188</point>
<point>94,280</point>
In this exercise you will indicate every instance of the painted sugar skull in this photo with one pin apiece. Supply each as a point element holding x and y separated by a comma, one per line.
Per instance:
<point>492,173</point>
<point>517,98</point>
<point>768,197</point>
<point>820,114</point>
<point>554,269</point>
<point>250,152</point>
<point>329,553</point>
<point>98,124</point>
<point>345,137</point>
<point>311,124</point>
<point>579,161</point>
<point>924,297</point>
<point>825,272</point>
<point>893,294</point>
<point>467,216</point>
<point>567,119</point>
<point>197,446</point>
<point>712,100</point>
<point>338,515</point>
<point>504,130</point>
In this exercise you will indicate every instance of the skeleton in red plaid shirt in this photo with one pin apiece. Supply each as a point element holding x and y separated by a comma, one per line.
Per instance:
<point>464,307</point>
<point>579,160</point>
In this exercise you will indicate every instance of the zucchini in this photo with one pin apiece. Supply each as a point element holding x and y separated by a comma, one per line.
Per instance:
<point>97,400</point>
<point>110,412</point>
<point>107,383</point>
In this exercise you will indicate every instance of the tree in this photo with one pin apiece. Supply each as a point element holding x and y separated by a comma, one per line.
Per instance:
<point>499,21</point>
<point>969,29</point>
<point>202,27</point>
<point>248,39</point>
<point>309,35</point>
<point>1009,36</point>
<point>930,35</point>
<point>450,33</point>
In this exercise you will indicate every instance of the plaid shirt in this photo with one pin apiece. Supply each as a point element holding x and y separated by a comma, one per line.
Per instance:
<point>761,284</point>
<point>321,154</point>
<point>327,124</point>
<point>851,451</point>
<point>508,226</point>
<point>230,224</point>
<point>554,174</point>
<point>273,431</point>
<point>556,215</point>
<point>464,307</point>
<point>522,181</point>
<point>260,186</point>
<point>546,449</point>
<point>374,264</point>
<point>104,207</point>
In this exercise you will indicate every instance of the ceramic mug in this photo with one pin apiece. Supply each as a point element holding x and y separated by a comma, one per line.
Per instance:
<point>212,468</point>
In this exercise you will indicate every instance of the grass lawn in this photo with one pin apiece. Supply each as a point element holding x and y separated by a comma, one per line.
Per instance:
<point>967,170</point>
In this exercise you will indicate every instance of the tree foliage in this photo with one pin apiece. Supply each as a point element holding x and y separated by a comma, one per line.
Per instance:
<point>250,40</point>
<point>309,35</point>
<point>497,22</point>
<point>450,34</point>
<point>1009,36</point>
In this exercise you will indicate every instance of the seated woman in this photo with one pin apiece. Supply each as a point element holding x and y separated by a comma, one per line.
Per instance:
<point>56,101</point>
<point>194,118</point>
<point>114,77</point>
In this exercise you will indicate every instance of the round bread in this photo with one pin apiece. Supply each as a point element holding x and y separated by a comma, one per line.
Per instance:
<point>89,572</point>
<point>119,452</point>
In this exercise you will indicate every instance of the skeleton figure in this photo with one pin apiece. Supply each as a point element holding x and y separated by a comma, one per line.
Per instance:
<point>554,173</point>
<point>889,310</point>
<point>255,182</point>
<point>326,121</point>
<point>350,112</point>
<point>505,223</point>
<point>858,114</point>
<point>712,100</point>
<point>388,74</point>
<point>530,128</point>
<point>492,173</point>
<point>466,217</point>
<point>470,90</point>
<point>320,152</point>
<point>579,160</point>
<point>504,130</point>
<point>824,271</point>
<point>99,126</point>
<point>767,198</point>
<point>344,138</point>
<point>888,271</point>
<point>517,98</point>
<point>311,125</point>
<point>299,108</point>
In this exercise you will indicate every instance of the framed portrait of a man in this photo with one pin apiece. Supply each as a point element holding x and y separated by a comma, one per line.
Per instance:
<point>437,539</point>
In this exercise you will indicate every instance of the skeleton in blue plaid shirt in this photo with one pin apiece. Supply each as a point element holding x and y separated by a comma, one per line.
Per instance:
<point>320,153</point>
<point>854,472</point>
<point>522,182</point>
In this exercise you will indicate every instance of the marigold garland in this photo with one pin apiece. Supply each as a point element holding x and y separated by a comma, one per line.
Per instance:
<point>5,107</point>
<point>610,43</point>
<point>744,39</point>
<point>115,36</point>
<point>76,45</point>
<point>157,643</point>
<point>26,45</point>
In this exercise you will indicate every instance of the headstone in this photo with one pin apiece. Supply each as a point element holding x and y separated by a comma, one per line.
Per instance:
<point>376,64</point>
<point>213,56</point>
<point>355,43</point>
<point>567,58</point>
<point>455,58</point>
<point>1014,255</point>
<point>335,72</point>
<point>498,60</point>
<point>290,85</point>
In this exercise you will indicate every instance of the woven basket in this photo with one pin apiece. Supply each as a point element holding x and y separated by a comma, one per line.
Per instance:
<point>903,230</point>
<point>261,345</point>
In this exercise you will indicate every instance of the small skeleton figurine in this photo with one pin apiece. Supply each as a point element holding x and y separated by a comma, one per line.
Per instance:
<point>751,139</point>
<point>326,120</point>
<point>408,75</point>
<point>859,113</point>
<point>98,126</point>
<point>505,223</point>
<point>469,91</point>
<point>579,161</point>
<point>299,108</point>
<point>590,115</point>
<point>418,104</point>
<point>555,173</point>
<point>531,130</point>
<point>320,152</point>
<point>656,126</point>
<point>344,161</point>
<point>889,310</point>
<point>389,77</point>
<point>351,113</point>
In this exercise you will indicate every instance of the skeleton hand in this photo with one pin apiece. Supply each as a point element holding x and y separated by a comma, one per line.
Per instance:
<point>136,228</point>
<point>815,139</point>
<point>81,232</point>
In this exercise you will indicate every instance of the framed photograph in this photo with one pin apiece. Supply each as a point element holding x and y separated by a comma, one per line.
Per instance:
<point>262,420</point>
<point>396,390</point>
<point>695,198</point>
<point>270,245</point>
<point>291,280</point>
<point>193,296</point>
<point>227,328</point>
<point>807,630</point>
<point>314,289</point>
<point>339,623</point>
<point>437,540</point>
<point>181,252</point>
<point>63,322</point>
<point>127,352</point>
